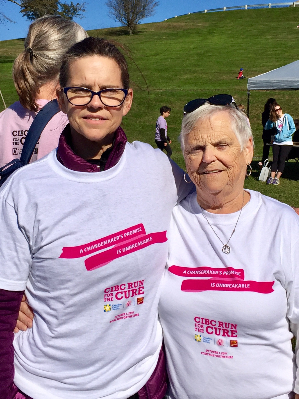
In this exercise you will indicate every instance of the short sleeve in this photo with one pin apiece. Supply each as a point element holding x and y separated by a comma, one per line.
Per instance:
<point>15,255</point>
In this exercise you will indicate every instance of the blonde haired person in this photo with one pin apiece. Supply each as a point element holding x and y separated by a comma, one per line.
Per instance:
<point>35,74</point>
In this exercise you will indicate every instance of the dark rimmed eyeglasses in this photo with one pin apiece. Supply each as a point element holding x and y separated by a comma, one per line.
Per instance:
<point>82,96</point>
<point>218,99</point>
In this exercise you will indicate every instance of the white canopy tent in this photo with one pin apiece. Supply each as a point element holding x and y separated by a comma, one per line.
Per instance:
<point>283,78</point>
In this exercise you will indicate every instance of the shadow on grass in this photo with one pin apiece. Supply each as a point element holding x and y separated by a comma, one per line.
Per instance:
<point>291,171</point>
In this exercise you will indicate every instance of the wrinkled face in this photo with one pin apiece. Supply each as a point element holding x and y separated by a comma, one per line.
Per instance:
<point>94,121</point>
<point>213,157</point>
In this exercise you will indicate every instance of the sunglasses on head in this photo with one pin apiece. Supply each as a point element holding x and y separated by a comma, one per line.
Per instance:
<point>218,99</point>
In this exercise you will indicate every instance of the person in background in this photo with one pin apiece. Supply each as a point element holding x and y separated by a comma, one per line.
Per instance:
<point>240,74</point>
<point>161,137</point>
<point>84,232</point>
<point>269,132</point>
<point>35,74</point>
<point>282,144</point>
<point>229,299</point>
<point>296,134</point>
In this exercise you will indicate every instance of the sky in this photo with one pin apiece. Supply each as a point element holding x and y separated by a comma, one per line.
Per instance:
<point>96,15</point>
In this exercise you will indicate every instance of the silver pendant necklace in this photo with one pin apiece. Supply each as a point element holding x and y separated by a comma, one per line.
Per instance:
<point>225,247</point>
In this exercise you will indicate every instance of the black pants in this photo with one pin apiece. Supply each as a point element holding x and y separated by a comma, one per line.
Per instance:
<point>280,154</point>
<point>266,150</point>
<point>167,148</point>
<point>266,140</point>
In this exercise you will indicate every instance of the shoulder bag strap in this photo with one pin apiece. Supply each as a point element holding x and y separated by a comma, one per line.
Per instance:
<point>36,128</point>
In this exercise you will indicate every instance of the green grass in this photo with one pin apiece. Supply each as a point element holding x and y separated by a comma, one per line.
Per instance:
<point>199,55</point>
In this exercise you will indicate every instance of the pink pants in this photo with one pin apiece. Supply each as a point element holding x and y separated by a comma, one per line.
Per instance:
<point>20,395</point>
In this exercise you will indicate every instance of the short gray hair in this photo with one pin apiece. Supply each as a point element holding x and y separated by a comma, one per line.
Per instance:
<point>240,122</point>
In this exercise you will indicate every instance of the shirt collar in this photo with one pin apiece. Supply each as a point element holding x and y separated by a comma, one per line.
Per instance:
<point>70,160</point>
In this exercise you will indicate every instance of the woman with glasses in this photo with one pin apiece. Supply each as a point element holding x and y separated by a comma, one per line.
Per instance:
<point>35,74</point>
<point>83,232</point>
<point>282,144</point>
<point>230,293</point>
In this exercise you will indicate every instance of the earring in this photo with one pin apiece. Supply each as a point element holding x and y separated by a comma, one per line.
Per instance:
<point>248,172</point>
<point>185,174</point>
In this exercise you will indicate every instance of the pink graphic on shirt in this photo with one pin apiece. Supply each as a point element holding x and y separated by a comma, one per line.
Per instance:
<point>227,285</point>
<point>228,272</point>
<point>105,242</point>
<point>105,257</point>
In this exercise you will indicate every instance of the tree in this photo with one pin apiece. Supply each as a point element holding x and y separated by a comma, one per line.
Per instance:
<point>130,12</point>
<point>33,9</point>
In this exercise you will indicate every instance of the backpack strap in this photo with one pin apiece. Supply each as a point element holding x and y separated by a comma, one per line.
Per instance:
<point>33,135</point>
<point>40,122</point>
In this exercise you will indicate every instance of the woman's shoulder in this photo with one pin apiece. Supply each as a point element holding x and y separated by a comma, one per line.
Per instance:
<point>16,111</point>
<point>189,204</point>
<point>147,150</point>
<point>287,116</point>
<point>272,206</point>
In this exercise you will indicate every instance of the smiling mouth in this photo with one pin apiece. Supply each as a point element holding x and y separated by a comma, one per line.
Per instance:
<point>94,118</point>
<point>209,172</point>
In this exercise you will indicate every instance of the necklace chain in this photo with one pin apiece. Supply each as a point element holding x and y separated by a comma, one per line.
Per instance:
<point>225,247</point>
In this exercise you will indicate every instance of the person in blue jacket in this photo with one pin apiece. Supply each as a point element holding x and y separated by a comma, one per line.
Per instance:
<point>282,143</point>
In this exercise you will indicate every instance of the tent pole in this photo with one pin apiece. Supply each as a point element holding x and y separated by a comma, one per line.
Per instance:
<point>248,97</point>
<point>2,99</point>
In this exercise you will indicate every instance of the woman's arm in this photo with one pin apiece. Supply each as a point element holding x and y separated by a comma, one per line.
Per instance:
<point>291,123</point>
<point>9,308</point>
<point>269,125</point>
<point>290,268</point>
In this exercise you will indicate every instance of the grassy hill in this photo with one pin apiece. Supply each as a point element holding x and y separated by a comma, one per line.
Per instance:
<point>199,55</point>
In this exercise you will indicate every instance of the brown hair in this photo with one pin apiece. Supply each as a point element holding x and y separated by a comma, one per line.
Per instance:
<point>45,45</point>
<point>90,47</point>
<point>273,116</point>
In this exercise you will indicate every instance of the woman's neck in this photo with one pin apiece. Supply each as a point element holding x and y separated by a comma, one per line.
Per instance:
<point>48,91</point>
<point>216,204</point>
<point>88,149</point>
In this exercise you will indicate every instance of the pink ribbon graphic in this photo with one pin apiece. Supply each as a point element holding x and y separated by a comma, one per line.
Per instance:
<point>227,285</point>
<point>105,257</point>
<point>112,240</point>
<point>206,272</point>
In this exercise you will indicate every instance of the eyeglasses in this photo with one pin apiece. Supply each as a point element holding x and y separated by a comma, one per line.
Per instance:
<point>218,99</point>
<point>277,109</point>
<point>82,96</point>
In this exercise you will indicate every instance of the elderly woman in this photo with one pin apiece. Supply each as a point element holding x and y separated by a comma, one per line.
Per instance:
<point>230,292</point>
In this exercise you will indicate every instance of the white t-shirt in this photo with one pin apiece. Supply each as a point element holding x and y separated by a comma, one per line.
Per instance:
<point>225,318</point>
<point>90,249</point>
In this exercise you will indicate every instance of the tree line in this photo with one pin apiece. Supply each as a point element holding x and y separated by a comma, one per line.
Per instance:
<point>128,12</point>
